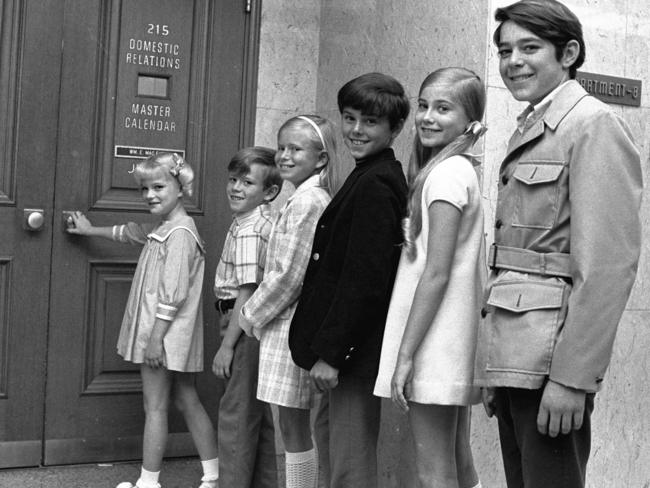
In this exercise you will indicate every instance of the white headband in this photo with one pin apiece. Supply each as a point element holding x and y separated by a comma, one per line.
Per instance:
<point>316,128</point>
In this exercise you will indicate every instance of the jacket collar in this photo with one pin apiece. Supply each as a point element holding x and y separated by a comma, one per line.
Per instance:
<point>551,115</point>
<point>362,166</point>
<point>382,155</point>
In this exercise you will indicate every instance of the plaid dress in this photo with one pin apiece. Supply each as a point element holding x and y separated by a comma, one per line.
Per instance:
<point>271,307</point>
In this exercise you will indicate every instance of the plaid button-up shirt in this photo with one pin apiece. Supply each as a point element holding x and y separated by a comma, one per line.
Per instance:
<point>244,252</point>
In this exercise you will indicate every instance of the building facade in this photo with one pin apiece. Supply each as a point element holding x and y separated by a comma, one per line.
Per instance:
<point>309,48</point>
<point>87,87</point>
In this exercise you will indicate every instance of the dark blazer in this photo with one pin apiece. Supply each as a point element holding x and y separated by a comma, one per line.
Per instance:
<point>347,288</point>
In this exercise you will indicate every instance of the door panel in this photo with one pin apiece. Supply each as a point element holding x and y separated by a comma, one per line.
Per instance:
<point>100,85</point>
<point>138,81</point>
<point>29,77</point>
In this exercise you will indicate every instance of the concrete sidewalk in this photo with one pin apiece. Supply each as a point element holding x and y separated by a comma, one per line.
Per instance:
<point>176,473</point>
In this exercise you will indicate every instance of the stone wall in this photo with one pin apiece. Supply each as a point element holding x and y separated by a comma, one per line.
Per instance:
<point>309,48</point>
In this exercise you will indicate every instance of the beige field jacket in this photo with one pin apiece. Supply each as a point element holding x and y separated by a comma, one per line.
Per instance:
<point>569,197</point>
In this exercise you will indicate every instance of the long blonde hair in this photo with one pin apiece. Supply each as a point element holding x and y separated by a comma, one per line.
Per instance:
<point>469,92</point>
<point>323,141</point>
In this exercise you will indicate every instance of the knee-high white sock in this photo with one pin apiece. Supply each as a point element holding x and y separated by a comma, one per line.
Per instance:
<point>301,469</point>
<point>210,472</point>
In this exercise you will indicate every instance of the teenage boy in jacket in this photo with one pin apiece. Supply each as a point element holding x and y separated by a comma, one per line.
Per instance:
<point>567,242</point>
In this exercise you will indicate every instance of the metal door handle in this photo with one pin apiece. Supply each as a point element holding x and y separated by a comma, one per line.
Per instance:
<point>68,221</point>
<point>33,219</point>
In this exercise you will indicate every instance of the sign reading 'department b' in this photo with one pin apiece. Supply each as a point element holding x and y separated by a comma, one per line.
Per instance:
<point>611,89</point>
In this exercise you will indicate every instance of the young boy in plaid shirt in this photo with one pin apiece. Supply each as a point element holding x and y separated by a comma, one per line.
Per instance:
<point>245,428</point>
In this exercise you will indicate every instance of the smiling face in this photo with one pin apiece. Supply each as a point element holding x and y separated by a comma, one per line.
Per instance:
<point>439,119</point>
<point>163,194</point>
<point>528,64</point>
<point>246,191</point>
<point>365,135</point>
<point>297,156</point>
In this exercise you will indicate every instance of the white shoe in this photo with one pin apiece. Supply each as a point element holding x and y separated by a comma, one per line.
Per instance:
<point>139,485</point>
<point>126,484</point>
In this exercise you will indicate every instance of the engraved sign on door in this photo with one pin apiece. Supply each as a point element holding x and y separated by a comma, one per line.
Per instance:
<point>153,81</point>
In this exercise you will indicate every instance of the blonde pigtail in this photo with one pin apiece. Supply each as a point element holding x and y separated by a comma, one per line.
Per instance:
<point>184,173</point>
<point>408,245</point>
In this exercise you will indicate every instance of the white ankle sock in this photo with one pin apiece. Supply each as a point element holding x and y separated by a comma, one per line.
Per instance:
<point>301,469</point>
<point>210,469</point>
<point>148,479</point>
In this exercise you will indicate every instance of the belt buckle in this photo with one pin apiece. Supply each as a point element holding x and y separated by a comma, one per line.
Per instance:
<point>542,263</point>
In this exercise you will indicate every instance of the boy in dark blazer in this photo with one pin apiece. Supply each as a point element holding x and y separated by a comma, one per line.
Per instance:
<point>337,329</point>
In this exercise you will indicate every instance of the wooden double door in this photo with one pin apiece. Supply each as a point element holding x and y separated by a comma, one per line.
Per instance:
<point>87,87</point>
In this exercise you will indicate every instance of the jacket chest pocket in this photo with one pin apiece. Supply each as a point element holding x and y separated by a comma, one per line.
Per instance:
<point>525,319</point>
<point>538,194</point>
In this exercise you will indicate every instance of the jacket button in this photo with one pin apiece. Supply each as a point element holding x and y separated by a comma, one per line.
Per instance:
<point>504,180</point>
<point>484,312</point>
<point>316,256</point>
<point>347,357</point>
<point>498,224</point>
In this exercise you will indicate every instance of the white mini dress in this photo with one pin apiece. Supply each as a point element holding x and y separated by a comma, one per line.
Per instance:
<point>444,362</point>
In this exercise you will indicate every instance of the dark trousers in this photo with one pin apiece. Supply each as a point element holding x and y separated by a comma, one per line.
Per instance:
<point>246,435</point>
<point>352,431</point>
<point>533,460</point>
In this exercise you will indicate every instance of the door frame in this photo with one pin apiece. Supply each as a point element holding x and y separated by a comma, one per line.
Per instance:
<point>30,88</point>
<point>51,14</point>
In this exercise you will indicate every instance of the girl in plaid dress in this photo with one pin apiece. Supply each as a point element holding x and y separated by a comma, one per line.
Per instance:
<point>306,157</point>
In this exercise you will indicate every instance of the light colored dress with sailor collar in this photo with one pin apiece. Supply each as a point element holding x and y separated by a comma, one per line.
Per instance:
<point>167,284</point>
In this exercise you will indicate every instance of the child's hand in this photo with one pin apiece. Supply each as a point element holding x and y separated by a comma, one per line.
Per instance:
<point>487,396</point>
<point>80,224</point>
<point>154,355</point>
<point>222,361</point>
<point>324,376</point>
<point>245,325</point>
<point>400,386</point>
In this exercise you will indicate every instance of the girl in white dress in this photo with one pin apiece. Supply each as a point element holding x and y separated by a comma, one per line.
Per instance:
<point>306,157</point>
<point>429,343</point>
<point>162,328</point>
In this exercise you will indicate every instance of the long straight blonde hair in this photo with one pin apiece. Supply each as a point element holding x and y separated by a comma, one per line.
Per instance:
<point>469,93</point>
<point>329,174</point>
